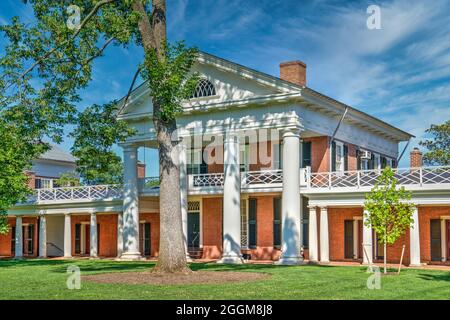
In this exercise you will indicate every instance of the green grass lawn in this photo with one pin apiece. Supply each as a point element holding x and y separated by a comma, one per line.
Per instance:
<point>45,279</point>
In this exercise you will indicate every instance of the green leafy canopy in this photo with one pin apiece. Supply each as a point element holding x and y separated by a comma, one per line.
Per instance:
<point>387,208</point>
<point>438,147</point>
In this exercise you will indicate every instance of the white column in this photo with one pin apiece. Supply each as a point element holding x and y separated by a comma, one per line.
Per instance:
<point>231,201</point>
<point>19,238</point>
<point>67,236</point>
<point>119,234</point>
<point>93,236</point>
<point>367,243</point>
<point>414,240</point>
<point>184,193</point>
<point>443,240</point>
<point>313,245</point>
<point>130,205</point>
<point>43,236</point>
<point>355,239</point>
<point>324,241</point>
<point>290,250</point>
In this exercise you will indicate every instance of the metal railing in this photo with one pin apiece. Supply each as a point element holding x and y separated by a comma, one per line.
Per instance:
<point>248,179</point>
<point>425,176</point>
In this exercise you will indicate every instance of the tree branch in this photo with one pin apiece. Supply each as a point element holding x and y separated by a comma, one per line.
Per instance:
<point>77,32</point>
<point>127,97</point>
<point>144,25</point>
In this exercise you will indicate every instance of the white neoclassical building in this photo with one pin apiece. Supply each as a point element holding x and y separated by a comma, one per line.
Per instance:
<point>269,170</point>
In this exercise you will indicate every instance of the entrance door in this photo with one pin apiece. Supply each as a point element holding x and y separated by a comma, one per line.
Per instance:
<point>448,240</point>
<point>144,239</point>
<point>28,239</point>
<point>193,230</point>
<point>435,234</point>
<point>348,239</point>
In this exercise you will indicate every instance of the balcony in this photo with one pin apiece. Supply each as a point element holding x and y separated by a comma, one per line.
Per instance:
<point>364,180</point>
<point>431,178</point>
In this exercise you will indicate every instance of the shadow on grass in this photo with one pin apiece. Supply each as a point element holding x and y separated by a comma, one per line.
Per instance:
<point>60,266</point>
<point>435,277</point>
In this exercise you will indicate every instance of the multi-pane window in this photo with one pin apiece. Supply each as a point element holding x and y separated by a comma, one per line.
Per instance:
<point>306,154</point>
<point>196,164</point>
<point>244,157</point>
<point>205,88</point>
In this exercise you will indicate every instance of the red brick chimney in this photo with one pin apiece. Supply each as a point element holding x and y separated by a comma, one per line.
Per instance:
<point>416,158</point>
<point>293,71</point>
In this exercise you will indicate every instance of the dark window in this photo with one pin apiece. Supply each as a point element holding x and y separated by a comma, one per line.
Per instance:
<point>277,222</point>
<point>348,239</point>
<point>252,225</point>
<point>37,184</point>
<point>435,234</point>
<point>306,161</point>
<point>204,88</point>
<point>13,240</point>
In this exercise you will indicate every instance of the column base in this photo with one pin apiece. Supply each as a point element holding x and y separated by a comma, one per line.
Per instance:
<point>313,262</point>
<point>131,257</point>
<point>94,258</point>
<point>18,258</point>
<point>231,260</point>
<point>42,257</point>
<point>415,265</point>
<point>67,257</point>
<point>324,262</point>
<point>290,261</point>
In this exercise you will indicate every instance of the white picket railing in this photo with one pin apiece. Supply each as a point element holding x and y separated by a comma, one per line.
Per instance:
<point>425,176</point>
<point>317,181</point>
<point>248,179</point>
<point>86,193</point>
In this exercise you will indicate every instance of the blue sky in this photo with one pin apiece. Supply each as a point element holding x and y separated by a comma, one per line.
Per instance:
<point>400,73</point>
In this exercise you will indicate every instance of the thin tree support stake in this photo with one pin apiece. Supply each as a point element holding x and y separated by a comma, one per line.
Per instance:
<point>401,260</point>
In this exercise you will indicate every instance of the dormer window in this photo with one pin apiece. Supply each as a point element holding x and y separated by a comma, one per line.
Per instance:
<point>204,88</point>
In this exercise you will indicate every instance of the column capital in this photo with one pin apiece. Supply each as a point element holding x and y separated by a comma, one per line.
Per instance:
<point>290,132</point>
<point>323,208</point>
<point>312,207</point>
<point>129,147</point>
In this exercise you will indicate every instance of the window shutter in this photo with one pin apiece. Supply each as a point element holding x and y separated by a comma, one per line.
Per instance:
<point>394,163</point>
<point>345,157</point>
<point>277,222</point>
<point>333,156</point>
<point>276,156</point>
<point>358,160</point>
<point>252,223</point>
<point>372,162</point>
<point>383,162</point>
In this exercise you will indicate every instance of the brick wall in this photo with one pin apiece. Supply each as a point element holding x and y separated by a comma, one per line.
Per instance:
<point>212,228</point>
<point>425,215</point>
<point>5,240</point>
<point>264,230</point>
<point>153,219</point>
<point>293,71</point>
<point>320,154</point>
<point>336,223</point>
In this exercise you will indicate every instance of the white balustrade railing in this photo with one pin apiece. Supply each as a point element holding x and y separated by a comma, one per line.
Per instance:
<point>84,193</point>
<point>362,179</point>
<point>425,176</point>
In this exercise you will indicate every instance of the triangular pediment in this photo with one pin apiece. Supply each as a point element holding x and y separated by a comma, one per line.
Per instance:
<point>232,83</point>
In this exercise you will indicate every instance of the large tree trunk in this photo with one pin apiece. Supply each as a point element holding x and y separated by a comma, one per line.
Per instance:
<point>172,255</point>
